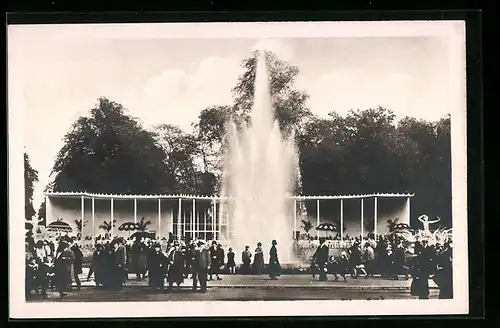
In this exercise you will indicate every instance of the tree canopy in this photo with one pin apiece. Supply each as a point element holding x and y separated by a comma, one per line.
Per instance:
<point>110,152</point>
<point>366,151</point>
<point>30,178</point>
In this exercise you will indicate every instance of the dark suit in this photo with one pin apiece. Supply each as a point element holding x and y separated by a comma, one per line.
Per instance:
<point>321,258</point>
<point>121,259</point>
<point>62,268</point>
<point>201,264</point>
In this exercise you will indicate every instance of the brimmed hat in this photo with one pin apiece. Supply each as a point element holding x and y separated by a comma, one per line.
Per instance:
<point>274,242</point>
<point>200,242</point>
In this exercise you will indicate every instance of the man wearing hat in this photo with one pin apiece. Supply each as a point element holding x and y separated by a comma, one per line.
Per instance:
<point>157,265</point>
<point>214,260</point>
<point>321,259</point>
<point>201,265</point>
<point>62,268</point>
<point>274,263</point>
<point>176,266</point>
<point>246,258</point>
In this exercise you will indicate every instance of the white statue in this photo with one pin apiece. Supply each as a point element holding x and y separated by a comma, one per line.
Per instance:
<point>426,222</point>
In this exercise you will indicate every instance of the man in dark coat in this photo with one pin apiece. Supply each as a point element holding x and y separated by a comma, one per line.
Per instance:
<point>189,258</point>
<point>321,259</point>
<point>46,270</point>
<point>157,265</point>
<point>201,265</point>
<point>246,258</point>
<point>214,268</point>
<point>274,263</point>
<point>98,265</point>
<point>62,268</point>
<point>118,260</point>
<point>176,266</point>
<point>122,260</point>
<point>77,264</point>
<point>220,259</point>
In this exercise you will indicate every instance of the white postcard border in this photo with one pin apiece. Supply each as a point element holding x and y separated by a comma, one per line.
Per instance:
<point>454,31</point>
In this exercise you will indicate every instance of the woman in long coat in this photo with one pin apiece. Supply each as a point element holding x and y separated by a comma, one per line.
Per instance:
<point>176,266</point>
<point>274,263</point>
<point>420,282</point>
<point>62,267</point>
<point>139,259</point>
<point>77,264</point>
<point>258,260</point>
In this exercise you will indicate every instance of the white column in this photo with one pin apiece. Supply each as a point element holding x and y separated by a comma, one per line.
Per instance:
<point>135,210</point>
<point>93,216</point>
<point>112,218</point>
<point>193,216</point>
<point>317,216</point>
<point>362,218</point>
<point>375,219</point>
<point>214,219</point>
<point>179,219</point>
<point>408,210</point>
<point>341,219</point>
<point>48,211</point>
<point>82,215</point>
<point>159,217</point>
<point>294,219</point>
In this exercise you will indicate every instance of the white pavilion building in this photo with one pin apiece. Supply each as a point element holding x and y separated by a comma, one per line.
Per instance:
<point>204,216</point>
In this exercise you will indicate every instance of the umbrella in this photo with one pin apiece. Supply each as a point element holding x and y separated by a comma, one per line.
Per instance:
<point>128,226</point>
<point>326,227</point>
<point>402,226</point>
<point>405,234</point>
<point>59,226</point>
<point>140,234</point>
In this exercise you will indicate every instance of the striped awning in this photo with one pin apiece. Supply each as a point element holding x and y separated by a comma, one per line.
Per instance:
<point>214,197</point>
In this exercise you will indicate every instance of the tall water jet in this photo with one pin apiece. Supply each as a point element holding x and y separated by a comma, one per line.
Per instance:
<point>259,175</point>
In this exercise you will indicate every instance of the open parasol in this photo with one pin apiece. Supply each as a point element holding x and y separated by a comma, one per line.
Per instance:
<point>140,234</point>
<point>327,227</point>
<point>59,226</point>
<point>402,227</point>
<point>128,226</point>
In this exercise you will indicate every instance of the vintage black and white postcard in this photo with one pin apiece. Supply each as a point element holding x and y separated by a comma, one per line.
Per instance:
<point>237,169</point>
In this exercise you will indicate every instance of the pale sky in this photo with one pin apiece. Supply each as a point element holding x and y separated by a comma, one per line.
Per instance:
<point>58,74</point>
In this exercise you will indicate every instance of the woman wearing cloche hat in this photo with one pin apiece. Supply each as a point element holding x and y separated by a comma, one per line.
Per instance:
<point>274,263</point>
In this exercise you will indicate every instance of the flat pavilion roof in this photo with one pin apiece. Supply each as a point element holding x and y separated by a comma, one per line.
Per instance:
<point>200,197</point>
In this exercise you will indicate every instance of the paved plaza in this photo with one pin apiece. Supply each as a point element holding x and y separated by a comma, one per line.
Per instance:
<point>285,281</point>
<point>256,293</point>
<point>248,288</point>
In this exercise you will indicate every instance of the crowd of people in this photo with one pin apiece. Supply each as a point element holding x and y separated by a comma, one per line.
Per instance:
<point>391,258</point>
<point>57,263</point>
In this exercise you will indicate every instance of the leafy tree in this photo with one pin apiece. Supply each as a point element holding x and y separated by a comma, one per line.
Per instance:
<point>289,103</point>
<point>143,224</point>
<point>30,178</point>
<point>210,132</point>
<point>109,152</point>
<point>392,223</point>
<point>106,226</point>
<point>79,225</point>
<point>307,226</point>
<point>369,226</point>
<point>181,150</point>
<point>42,213</point>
